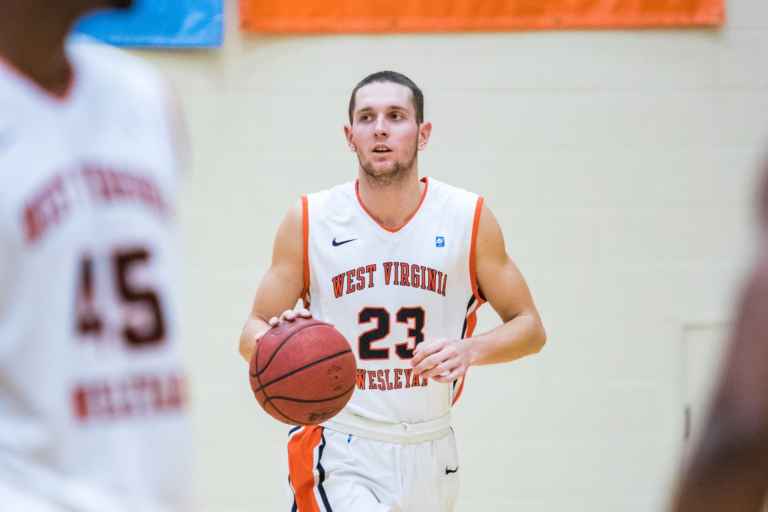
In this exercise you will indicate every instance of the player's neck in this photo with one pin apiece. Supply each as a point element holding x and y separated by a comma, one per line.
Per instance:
<point>391,204</point>
<point>32,41</point>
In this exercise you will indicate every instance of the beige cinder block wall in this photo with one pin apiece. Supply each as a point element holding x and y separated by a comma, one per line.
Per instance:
<point>621,167</point>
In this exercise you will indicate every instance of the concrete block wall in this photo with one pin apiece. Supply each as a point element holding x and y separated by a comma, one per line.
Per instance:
<point>621,166</point>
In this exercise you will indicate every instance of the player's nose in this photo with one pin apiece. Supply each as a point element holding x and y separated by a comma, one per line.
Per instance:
<point>380,128</point>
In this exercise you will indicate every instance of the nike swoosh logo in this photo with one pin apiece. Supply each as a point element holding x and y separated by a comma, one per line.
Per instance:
<point>336,244</point>
<point>448,470</point>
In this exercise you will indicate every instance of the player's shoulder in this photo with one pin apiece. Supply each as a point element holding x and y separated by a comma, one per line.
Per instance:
<point>337,194</point>
<point>332,204</point>
<point>450,193</point>
<point>115,71</point>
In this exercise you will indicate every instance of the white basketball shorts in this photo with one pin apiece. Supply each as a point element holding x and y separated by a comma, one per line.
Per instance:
<point>330,471</point>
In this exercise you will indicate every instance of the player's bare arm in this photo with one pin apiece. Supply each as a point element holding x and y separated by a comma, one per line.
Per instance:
<point>282,285</point>
<point>728,468</point>
<point>502,284</point>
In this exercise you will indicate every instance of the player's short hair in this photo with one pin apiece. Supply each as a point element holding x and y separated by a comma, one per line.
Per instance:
<point>394,77</point>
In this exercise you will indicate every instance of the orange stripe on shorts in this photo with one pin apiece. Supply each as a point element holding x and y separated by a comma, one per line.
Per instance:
<point>301,467</point>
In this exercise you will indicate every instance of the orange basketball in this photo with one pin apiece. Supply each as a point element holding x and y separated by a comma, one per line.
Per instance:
<point>303,372</point>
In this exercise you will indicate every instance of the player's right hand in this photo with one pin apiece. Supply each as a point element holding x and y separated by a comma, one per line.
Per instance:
<point>254,329</point>
<point>289,315</point>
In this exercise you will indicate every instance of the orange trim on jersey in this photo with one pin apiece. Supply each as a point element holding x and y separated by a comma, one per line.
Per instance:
<point>473,252</point>
<point>472,317</point>
<point>29,82</point>
<point>425,180</point>
<point>305,236</point>
<point>471,324</point>
<point>301,467</point>
<point>460,390</point>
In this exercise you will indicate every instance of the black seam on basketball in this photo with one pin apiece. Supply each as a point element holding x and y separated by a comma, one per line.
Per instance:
<point>256,375</point>
<point>267,399</point>
<point>282,344</point>
<point>281,413</point>
<point>303,401</point>
<point>297,370</point>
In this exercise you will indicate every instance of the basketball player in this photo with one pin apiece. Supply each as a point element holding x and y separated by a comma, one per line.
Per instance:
<point>92,403</point>
<point>399,264</point>
<point>729,469</point>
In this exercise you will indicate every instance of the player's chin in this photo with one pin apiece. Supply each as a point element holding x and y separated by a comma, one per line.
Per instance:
<point>380,169</point>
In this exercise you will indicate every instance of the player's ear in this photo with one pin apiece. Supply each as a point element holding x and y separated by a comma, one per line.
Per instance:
<point>348,136</point>
<point>425,131</point>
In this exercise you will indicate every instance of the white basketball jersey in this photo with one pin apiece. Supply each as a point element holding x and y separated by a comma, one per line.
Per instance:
<point>92,394</point>
<point>388,290</point>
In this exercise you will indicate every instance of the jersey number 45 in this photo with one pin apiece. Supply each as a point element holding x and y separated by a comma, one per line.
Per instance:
<point>148,327</point>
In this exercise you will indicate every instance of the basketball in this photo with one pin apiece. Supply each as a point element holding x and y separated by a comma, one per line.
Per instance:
<point>303,372</point>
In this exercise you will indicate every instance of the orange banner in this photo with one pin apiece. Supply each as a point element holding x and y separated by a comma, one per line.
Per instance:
<point>337,16</point>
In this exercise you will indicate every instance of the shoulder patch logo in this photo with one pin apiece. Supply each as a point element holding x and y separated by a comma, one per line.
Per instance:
<point>439,241</point>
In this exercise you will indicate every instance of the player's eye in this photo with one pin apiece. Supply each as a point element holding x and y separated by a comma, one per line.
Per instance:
<point>364,118</point>
<point>397,116</point>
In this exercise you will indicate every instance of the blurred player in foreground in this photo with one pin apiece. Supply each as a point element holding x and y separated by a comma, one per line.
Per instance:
<point>92,402</point>
<point>728,471</point>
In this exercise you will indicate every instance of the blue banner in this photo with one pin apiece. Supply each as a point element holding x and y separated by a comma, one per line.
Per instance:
<point>160,23</point>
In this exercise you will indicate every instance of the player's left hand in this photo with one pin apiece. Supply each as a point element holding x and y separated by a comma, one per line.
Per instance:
<point>441,360</point>
<point>289,315</point>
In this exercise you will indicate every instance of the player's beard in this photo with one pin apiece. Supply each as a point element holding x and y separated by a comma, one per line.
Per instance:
<point>396,173</point>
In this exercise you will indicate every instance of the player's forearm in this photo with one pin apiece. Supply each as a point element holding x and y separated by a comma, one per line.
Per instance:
<point>522,336</point>
<point>254,328</point>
